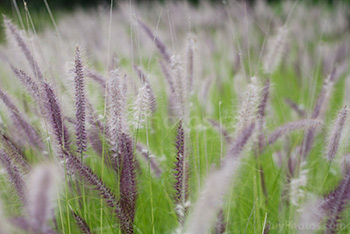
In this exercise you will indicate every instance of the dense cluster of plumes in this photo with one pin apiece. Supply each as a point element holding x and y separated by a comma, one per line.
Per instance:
<point>134,114</point>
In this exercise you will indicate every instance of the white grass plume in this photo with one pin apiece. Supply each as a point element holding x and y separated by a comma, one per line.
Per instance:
<point>274,50</point>
<point>248,107</point>
<point>42,193</point>
<point>142,107</point>
<point>216,186</point>
<point>297,186</point>
<point>311,214</point>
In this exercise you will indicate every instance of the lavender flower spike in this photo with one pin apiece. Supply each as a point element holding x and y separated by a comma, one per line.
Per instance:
<point>128,189</point>
<point>80,104</point>
<point>21,124</point>
<point>23,46</point>
<point>53,114</point>
<point>160,45</point>
<point>335,134</point>
<point>81,223</point>
<point>28,82</point>
<point>14,175</point>
<point>181,174</point>
<point>292,126</point>
<point>261,113</point>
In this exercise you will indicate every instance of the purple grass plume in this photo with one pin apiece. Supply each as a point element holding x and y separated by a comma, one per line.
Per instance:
<point>31,86</point>
<point>181,175</point>
<point>80,103</point>
<point>318,112</point>
<point>20,123</point>
<point>14,175</point>
<point>190,64</point>
<point>220,226</point>
<point>300,111</point>
<point>73,163</point>
<point>217,185</point>
<point>54,116</point>
<point>168,76</point>
<point>290,127</point>
<point>13,30</point>
<point>96,77</point>
<point>222,130</point>
<point>335,134</point>
<point>127,185</point>
<point>84,228</point>
<point>150,159</point>
<point>13,151</point>
<point>335,203</point>
<point>261,114</point>
<point>159,44</point>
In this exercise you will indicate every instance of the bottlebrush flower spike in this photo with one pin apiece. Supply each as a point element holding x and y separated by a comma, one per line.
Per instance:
<point>292,126</point>
<point>73,163</point>
<point>13,151</point>
<point>128,189</point>
<point>311,216</point>
<point>14,175</point>
<point>42,184</point>
<point>318,112</point>
<point>275,49</point>
<point>12,29</point>
<point>217,185</point>
<point>152,99</point>
<point>98,185</point>
<point>335,134</point>
<point>84,228</point>
<point>20,123</point>
<point>220,226</point>
<point>189,63</point>
<point>150,158</point>
<point>295,107</point>
<point>29,83</point>
<point>297,186</point>
<point>222,130</point>
<point>261,114</point>
<point>116,120</point>
<point>54,116</point>
<point>181,173</point>
<point>96,77</point>
<point>335,203</point>
<point>159,44</point>
<point>180,82</point>
<point>142,107</point>
<point>80,104</point>
<point>168,76</point>
<point>248,106</point>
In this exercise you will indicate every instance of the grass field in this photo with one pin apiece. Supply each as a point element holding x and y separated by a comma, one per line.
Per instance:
<point>225,118</point>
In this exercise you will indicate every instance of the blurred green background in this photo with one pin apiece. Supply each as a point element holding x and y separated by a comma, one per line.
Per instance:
<point>40,17</point>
